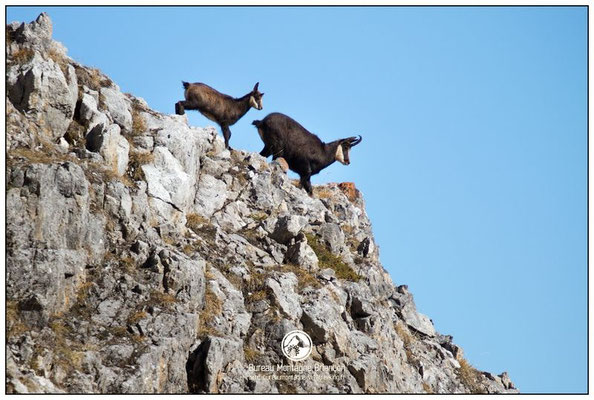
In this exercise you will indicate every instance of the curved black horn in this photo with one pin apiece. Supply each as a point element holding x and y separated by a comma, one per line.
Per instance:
<point>353,141</point>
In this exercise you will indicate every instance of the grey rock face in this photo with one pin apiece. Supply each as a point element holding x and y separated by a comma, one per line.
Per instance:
<point>41,88</point>
<point>111,145</point>
<point>300,253</point>
<point>37,34</point>
<point>211,195</point>
<point>284,294</point>
<point>166,179</point>
<point>333,236</point>
<point>287,227</point>
<point>90,115</point>
<point>118,107</point>
<point>208,361</point>
<point>143,257</point>
<point>49,237</point>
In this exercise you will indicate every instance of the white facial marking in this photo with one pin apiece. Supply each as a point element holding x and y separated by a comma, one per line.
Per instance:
<point>339,155</point>
<point>253,102</point>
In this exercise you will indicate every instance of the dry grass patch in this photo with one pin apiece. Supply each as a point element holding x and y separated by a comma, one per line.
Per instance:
<point>135,162</point>
<point>256,296</point>
<point>304,277</point>
<point>427,388</point>
<point>196,221</point>
<point>188,249</point>
<point>257,282</point>
<point>201,226</point>
<point>212,304</point>
<point>323,192</point>
<point>47,154</point>
<point>404,334</point>
<point>59,59</point>
<point>68,354</point>
<point>22,55</point>
<point>128,264</point>
<point>83,292</point>
<point>213,307</point>
<point>75,135</point>
<point>136,317</point>
<point>14,324</point>
<point>408,339</point>
<point>470,377</point>
<point>138,123</point>
<point>164,300</point>
<point>259,216</point>
<point>251,355</point>
<point>92,78</point>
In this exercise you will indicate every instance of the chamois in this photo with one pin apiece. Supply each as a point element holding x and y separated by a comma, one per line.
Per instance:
<point>218,107</point>
<point>305,153</point>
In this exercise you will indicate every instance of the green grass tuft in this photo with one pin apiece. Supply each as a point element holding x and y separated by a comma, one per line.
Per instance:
<point>328,260</point>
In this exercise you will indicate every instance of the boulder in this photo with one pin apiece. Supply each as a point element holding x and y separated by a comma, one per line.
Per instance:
<point>118,107</point>
<point>41,89</point>
<point>167,181</point>
<point>300,253</point>
<point>283,291</point>
<point>111,145</point>
<point>287,227</point>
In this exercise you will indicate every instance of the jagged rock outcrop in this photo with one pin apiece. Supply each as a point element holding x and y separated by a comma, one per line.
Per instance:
<point>143,257</point>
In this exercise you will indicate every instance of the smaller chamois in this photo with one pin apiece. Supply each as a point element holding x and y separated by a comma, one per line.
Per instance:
<point>218,107</point>
<point>304,152</point>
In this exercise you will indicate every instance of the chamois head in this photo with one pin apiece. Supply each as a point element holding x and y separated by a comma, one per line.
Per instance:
<point>256,98</point>
<point>344,147</point>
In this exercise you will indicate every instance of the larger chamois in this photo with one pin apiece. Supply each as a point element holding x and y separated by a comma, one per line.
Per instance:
<point>305,153</point>
<point>218,107</point>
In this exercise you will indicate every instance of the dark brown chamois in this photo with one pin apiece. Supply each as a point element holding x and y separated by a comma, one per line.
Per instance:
<point>218,107</point>
<point>305,153</point>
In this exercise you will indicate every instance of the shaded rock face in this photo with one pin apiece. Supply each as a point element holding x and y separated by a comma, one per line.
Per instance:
<point>143,257</point>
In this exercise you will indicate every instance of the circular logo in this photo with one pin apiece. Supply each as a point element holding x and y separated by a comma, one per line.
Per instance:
<point>296,345</point>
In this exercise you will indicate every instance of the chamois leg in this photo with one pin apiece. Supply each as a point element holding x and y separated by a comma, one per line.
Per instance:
<point>183,105</point>
<point>306,184</point>
<point>226,135</point>
<point>179,108</point>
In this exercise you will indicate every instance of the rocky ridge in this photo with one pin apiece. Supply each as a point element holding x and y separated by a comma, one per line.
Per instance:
<point>143,257</point>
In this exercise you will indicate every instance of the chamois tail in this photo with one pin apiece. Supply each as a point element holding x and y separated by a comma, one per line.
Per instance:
<point>257,123</point>
<point>186,84</point>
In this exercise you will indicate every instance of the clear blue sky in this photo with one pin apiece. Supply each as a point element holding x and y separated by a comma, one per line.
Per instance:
<point>474,155</point>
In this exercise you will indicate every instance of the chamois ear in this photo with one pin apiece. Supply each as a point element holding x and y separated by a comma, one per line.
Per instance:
<point>256,87</point>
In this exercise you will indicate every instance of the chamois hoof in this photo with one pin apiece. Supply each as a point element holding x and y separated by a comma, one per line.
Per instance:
<point>179,109</point>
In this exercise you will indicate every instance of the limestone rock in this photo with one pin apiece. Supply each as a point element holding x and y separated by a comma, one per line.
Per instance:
<point>287,227</point>
<point>36,34</point>
<point>118,107</point>
<point>147,258</point>
<point>284,294</point>
<point>111,145</point>
<point>40,88</point>
<point>300,253</point>
<point>166,179</point>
